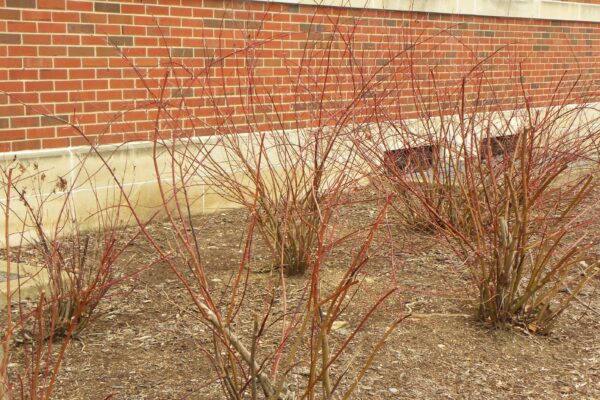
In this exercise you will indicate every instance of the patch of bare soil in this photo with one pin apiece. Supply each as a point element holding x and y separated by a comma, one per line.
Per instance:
<point>149,343</point>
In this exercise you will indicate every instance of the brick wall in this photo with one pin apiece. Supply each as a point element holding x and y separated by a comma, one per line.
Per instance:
<point>81,60</point>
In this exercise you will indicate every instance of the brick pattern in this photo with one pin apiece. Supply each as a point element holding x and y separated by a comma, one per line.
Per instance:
<point>73,59</point>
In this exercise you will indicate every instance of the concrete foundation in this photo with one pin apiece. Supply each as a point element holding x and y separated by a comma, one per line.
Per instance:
<point>26,282</point>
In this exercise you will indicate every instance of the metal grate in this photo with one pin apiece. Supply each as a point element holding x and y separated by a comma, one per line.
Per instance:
<point>500,145</point>
<point>410,159</point>
<point>3,277</point>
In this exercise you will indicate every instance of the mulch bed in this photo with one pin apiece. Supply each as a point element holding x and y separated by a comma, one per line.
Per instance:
<point>148,343</point>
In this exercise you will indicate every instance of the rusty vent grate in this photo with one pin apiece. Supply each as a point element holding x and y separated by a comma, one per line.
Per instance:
<point>500,145</point>
<point>410,159</point>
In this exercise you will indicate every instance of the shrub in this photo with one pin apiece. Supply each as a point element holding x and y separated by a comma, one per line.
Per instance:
<point>246,365</point>
<point>81,267</point>
<point>293,187</point>
<point>511,190</point>
<point>284,165</point>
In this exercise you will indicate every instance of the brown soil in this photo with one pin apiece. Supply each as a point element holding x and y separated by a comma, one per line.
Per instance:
<point>148,344</point>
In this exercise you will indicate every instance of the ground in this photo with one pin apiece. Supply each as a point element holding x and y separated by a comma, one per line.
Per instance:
<point>147,343</point>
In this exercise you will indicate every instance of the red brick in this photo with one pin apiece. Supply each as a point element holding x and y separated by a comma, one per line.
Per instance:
<point>39,86</point>
<point>13,134</point>
<point>10,38</point>
<point>21,3</point>
<point>55,143</point>
<point>36,15</point>
<point>80,5</point>
<point>19,51</point>
<point>37,39</point>
<point>19,74</point>
<point>80,28</point>
<point>24,122</point>
<point>7,14</point>
<point>40,133</point>
<point>12,110</point>
<point>53,120</point>
<point>54,97</point>
<point>53,74</point>
<point>52,51</point>
<point>52,4</point>
<point>107,7</point>
<point>94,18</point>
<point>26,145</point>
<point>51,27</point>
<point>37,62</point>
<point>19,26</point>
